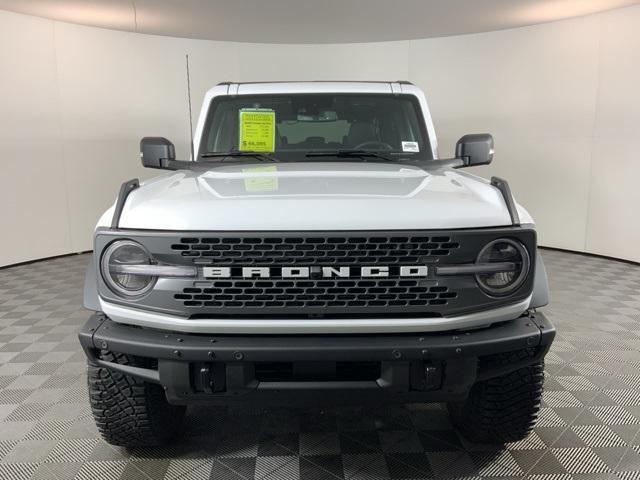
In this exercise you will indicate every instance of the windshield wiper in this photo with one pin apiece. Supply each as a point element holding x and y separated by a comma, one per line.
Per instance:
<point>363,154</point>
<point>263,157</point>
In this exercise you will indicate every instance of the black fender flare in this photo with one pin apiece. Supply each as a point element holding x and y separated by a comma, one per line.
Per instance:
<point>540,296</point>
<point>90,300</point>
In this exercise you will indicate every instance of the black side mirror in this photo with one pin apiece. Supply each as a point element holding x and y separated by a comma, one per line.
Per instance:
<point>156,152</point>
<point>475,149</point>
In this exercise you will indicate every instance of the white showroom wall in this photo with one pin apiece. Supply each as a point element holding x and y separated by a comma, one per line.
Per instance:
<point>561,99</point>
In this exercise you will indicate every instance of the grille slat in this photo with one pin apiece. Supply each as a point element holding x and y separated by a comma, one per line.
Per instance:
<point>285,251</point>
<point>315,293</point>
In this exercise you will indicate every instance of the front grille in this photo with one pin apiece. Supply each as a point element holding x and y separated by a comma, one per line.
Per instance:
<point>254,293</point>
<point>314,250</point>
<point>318,296</point>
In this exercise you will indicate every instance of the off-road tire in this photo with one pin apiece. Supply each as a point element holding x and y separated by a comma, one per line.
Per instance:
<point>130,412</point>
<point>501,409</point>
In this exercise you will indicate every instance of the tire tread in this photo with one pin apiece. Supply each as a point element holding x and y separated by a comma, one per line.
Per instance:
<point>130,412</point>
<point>501,409</point>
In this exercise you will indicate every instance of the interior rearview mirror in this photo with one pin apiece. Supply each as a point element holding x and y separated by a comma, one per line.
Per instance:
<point>475,149</point>
<point>156,152</point>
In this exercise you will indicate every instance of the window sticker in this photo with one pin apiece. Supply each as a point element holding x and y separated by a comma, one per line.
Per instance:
<point>261,183</point>
<point>410,147</point>
<point>257,130</point>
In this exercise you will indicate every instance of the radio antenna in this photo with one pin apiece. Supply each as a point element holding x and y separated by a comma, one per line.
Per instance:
<point>193,156</point>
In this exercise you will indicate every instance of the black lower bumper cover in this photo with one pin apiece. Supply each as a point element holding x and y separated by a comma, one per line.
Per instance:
<point>196,368</point>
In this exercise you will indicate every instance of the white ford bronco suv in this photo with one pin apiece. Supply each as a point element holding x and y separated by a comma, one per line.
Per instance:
<point>315,249</point>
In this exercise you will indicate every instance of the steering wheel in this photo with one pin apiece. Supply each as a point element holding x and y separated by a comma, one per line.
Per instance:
<point>373,144</point>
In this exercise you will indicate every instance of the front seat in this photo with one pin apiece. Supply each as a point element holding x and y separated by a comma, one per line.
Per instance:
<point>360,132</point>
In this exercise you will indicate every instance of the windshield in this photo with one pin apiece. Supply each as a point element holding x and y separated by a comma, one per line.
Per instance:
<point>290,127</point>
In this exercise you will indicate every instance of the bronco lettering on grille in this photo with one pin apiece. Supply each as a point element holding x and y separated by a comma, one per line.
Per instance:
<point>316,272</point>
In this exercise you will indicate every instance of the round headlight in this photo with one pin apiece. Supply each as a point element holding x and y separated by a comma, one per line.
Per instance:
<point>507,266</point>
<point>116,258</point>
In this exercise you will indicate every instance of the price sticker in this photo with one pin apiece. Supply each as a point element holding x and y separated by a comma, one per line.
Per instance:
<point>257,130</point>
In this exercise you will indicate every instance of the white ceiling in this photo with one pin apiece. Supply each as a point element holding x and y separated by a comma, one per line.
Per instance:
<point>306,21</point>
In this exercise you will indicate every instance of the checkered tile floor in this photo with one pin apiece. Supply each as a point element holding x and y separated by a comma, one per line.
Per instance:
<point>589,426</point>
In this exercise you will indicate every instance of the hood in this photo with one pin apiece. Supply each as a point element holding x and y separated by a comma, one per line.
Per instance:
<point>315,196</point>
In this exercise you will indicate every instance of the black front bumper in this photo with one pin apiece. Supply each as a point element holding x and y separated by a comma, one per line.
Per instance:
<point>306,368</point>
